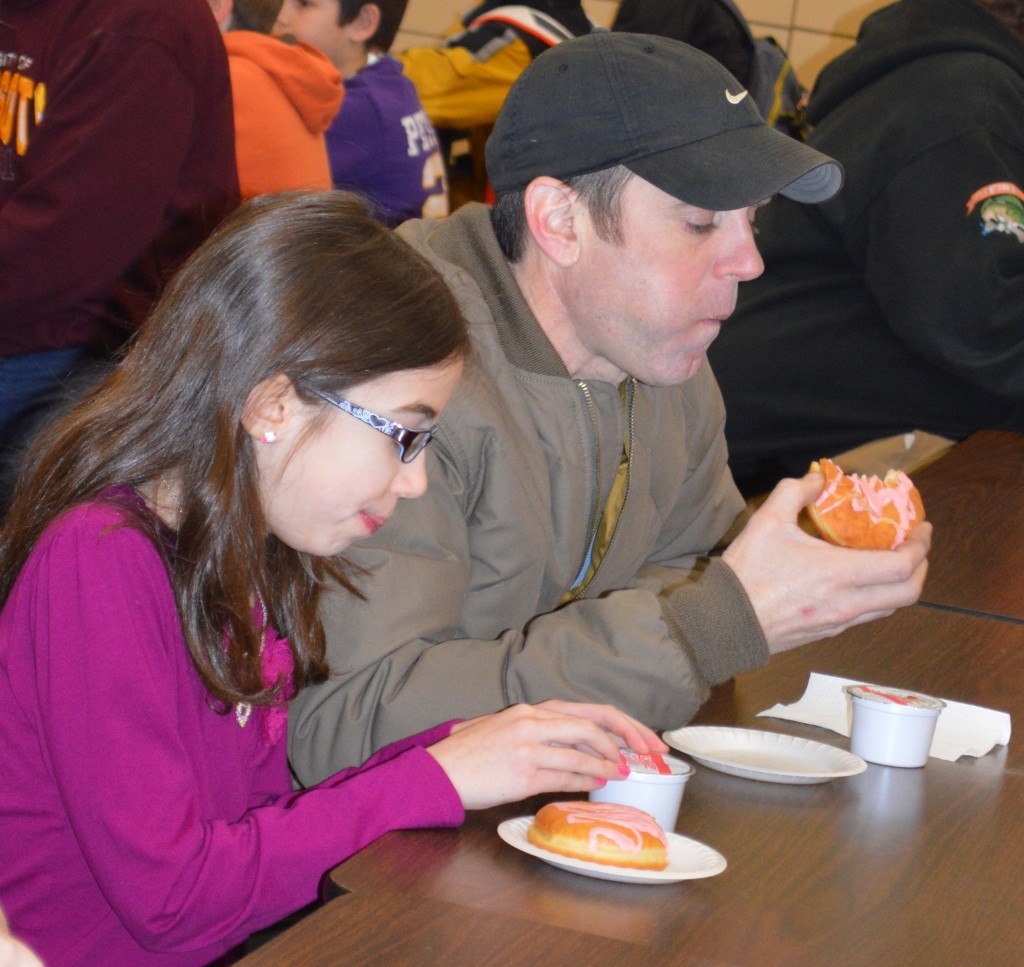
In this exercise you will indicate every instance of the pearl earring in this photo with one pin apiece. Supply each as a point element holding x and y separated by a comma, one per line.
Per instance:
<point>269,437</point>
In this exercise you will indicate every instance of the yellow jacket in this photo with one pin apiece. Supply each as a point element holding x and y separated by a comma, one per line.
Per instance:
<point>459,91</point>
<point>464,84</point>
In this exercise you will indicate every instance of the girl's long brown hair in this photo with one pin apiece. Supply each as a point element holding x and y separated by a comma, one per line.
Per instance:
<point>308,285</point>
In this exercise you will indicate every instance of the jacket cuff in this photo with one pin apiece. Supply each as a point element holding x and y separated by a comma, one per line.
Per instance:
<point>712,617</point>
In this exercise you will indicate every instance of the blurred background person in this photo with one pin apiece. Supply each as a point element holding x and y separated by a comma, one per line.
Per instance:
<point>117,158</point>
<point>381,143</point>
<point>713,26</point>
<point>285,93</point>
<point>719,28</point>
<point>463,84</point>
<point>897,305</point>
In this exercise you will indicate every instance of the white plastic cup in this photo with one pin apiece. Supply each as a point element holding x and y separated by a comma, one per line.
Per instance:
<point>891,727</point>
<point>655,784</point>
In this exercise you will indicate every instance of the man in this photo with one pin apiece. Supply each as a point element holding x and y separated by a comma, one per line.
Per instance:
<point>582,466</point>
<point>897,306</point>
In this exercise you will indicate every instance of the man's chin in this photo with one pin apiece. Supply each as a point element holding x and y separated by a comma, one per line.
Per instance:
<point>672,376</point>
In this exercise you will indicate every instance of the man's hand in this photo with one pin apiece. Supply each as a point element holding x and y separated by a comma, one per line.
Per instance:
<point>803,588</point>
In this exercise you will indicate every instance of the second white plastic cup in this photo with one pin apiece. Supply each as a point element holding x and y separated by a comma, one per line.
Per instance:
<point>892,728</point>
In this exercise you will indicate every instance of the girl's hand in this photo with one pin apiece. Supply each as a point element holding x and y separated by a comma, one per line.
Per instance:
<point>529,749</point>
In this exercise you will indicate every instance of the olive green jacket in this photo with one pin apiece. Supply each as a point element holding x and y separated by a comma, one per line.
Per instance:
<point>463,611</point>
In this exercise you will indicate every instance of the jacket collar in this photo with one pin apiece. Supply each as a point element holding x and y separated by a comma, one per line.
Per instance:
<point>467,240</point>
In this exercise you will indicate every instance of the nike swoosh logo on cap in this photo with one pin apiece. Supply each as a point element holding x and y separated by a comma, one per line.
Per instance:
<point>735,98</point>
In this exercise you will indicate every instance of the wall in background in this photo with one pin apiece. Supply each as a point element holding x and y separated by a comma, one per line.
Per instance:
<point>813,31</point>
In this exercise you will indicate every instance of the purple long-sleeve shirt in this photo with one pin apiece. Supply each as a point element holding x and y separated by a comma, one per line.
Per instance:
<point>381,144</point>
<point>137,824</point>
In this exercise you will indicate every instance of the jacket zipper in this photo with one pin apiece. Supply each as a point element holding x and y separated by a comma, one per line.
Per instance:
<point>595,516</point>
<point>595,513</point>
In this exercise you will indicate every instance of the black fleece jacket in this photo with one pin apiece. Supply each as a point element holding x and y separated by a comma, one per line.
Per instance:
<point>898,305</point>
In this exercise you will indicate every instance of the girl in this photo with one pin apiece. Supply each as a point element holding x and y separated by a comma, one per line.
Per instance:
<point>160,571</point>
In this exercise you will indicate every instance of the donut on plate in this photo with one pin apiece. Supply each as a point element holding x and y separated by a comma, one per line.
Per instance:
<point>601,832</point>
<point>854,510</point>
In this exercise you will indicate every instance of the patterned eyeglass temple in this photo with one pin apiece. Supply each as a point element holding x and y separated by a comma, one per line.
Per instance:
<point>410,443</point>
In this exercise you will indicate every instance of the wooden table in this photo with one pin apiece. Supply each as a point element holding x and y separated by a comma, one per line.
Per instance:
<point>390,928</point>
<point>978,568</point>
<point>893,866</point>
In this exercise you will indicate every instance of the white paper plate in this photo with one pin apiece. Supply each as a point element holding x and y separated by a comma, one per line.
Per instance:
<point>687,859</point>
<point>766,756</point>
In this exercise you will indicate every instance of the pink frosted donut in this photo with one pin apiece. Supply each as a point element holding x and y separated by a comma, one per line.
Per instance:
<point>860,511</point>
<point>601,832</point>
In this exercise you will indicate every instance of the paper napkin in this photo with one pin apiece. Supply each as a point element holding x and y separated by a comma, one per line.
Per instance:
<point>961,730</point>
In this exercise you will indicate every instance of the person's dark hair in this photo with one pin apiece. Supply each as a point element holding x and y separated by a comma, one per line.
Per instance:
<point>1011,12</point>
<point>391,14</point>
<point>601,191</point>
<point>257,15</point>
<point>306,284</point>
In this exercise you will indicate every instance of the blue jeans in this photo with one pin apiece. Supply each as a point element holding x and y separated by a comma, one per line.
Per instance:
<point>24,378</point>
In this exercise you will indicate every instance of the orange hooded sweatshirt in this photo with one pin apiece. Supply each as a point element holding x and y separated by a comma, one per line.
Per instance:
<point>285,95</point>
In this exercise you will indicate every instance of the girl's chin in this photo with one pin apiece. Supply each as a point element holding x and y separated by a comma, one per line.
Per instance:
<point>317,546</point>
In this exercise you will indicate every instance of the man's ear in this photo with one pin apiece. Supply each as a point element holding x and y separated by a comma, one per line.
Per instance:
<point>270,407</point>
<point>555,217</point>
<point>366,23</point>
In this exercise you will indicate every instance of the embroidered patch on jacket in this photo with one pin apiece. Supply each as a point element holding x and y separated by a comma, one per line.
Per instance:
<point>1001,209</point>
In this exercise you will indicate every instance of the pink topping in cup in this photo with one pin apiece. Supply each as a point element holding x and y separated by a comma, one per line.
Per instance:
<point>894,697</point>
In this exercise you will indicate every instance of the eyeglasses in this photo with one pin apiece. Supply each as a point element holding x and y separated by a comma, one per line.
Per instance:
<point>410,443</point>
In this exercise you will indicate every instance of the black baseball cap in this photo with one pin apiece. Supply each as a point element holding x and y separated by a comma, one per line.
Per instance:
<point>667,111</point>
